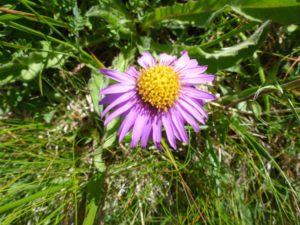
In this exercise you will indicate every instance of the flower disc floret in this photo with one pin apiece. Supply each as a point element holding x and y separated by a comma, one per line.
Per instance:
<point>159,86</point>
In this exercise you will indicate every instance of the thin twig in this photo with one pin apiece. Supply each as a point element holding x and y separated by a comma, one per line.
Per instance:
<point>19,13</point>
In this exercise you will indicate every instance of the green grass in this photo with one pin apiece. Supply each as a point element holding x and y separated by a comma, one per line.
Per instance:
<point>60,165</point>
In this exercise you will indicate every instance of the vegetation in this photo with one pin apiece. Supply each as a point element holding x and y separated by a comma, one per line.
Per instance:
<point>60,165</point>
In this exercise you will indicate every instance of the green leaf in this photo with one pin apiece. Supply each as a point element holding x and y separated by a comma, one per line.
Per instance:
<point>202,12</point>
<point>223,58</point>
<point>32,71</point>
<point>95,193</point>
<point>121,61</point>
<point>113,17</point>
<point>98,160</point>
<point>110,135</point>
<point>28,67</point>
<point>257,111</point>
<point>228,57</point>
<point>199,13</point>
<point>281,11</point>
<point>96,82</point>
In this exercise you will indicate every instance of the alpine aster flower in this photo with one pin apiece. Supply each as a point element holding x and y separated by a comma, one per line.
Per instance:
<point>161,95</point>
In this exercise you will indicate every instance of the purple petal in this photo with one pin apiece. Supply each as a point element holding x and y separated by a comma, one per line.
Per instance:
<point>138,128</point>
<point>190,108</point>
<point>192,72</point>
<point>198,80</point>
<point>146,134</point>
<point>127,124</point>
<point>196,104</point>
<point>146,60</point>
<point>118,76</point>
<point>156,126</point>
<point>183,61</point>
<point>117,88</point>
<point>198,94</point>
<point>192,63</point>
<point>123,98</point>
<point>109,98</point>
<point>176,133</point>
<point>132,72</point>
<point>121,109</point>
<point>169,130</point>
<point>179,125</point>
<point>188,117</point>
<point>166,59</point>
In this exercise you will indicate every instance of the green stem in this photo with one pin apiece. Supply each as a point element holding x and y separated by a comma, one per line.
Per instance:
<point>47,37</point>
<point>262,77</point>
<point>228,35</point>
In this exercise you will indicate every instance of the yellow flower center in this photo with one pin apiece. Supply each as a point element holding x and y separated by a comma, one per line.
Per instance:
<point>159,86</point>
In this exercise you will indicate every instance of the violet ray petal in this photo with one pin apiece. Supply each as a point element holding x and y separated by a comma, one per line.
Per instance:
<point>118,76</point>
<point>146,134</point>
<point>166,59</point>
<point>127,124</point>
<point>176,134</point>
<point>138,128</point>
<point>194,71</point>
<point>179,125</point>
<point>188,118</point>
<point>192,63</point>
<point>132,71</point>
<point>122,99</point>
<point>198,94</point>
<point>158,146</point>
<point>146,60</point>
<point>190,108</point>
<point>109,99</point>
<point>156,127</point>
<point>169,130</point>
<point>198,80</point>
<point>121,109</point>
<point>196,104</point>
<point>117,88</point>
<point>182,62</point>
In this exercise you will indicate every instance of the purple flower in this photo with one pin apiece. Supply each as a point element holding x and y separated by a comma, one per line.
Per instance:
<point>161,95</point>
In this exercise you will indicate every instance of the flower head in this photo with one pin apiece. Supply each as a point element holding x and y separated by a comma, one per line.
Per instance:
<point>161,95</point>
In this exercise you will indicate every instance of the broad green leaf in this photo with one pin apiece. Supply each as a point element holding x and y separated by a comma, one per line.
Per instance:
<point>228,57</point>
<point>32,71</point>
<point>7,72</point>
<point>110,136</point>
<point>28,67</point>
<point>281,11</point>
<point>199,13</point>
<point>98,160</point>
<point>121,61</point>
<point>96,82</point>
<point>202,12</point>
<point>114,18</point>
<point>95,195</point>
